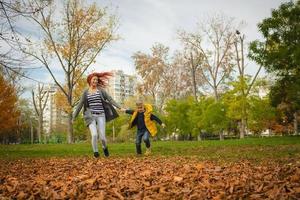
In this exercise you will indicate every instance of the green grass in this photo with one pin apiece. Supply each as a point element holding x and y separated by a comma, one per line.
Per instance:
<point>228,150</point>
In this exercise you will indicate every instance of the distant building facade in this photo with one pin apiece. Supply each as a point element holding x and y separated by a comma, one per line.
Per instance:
<point>53,117</point>
<point>121,86</point>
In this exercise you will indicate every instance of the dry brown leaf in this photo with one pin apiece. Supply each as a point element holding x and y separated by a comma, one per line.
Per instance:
<point>118,194</point>
<point>146,173</point>
<point>177,178</point>
<point>297,190</point>
<point>199,166</point>
<point>219,196</point>
<point>295,178</point>
<point>255,196</point>
<point>231,189</point>
<point>21,195</point>
<point>260,188</point>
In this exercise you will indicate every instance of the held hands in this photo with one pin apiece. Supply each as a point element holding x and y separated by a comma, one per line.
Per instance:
<point>122,109</point>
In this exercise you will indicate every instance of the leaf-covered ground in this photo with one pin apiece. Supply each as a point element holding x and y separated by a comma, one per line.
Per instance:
<point>148,178</point>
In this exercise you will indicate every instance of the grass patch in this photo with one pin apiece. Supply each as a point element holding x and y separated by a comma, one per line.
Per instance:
<point>227,150</point>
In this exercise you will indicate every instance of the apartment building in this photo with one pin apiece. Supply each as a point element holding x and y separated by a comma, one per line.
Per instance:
<point>53,117</point>
<point>122,86</point>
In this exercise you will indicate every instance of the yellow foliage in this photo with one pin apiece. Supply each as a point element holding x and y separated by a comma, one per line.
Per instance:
<point>61,99</point>
<point>8,106</point>
<point>81,33</point>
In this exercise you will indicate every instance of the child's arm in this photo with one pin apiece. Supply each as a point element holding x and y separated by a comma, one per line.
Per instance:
<point>128,111</point>
<point>153,117</point>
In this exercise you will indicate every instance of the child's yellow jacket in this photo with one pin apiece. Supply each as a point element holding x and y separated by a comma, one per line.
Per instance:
<point>150,125</point>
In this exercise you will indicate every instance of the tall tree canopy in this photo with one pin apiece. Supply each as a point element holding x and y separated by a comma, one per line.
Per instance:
<point>8,108</point>
<point>279,53</point>
<point>280,50</point>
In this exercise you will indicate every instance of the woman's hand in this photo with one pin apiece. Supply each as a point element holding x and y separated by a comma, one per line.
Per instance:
<point>122,109</point>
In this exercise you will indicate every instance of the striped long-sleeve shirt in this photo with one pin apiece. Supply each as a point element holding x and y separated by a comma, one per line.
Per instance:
<point>95,102</point>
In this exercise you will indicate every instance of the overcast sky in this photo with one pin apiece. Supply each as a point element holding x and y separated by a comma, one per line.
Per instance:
<point>146,22</point>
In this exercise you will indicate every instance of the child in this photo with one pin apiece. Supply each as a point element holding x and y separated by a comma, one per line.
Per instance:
<point>143,118</point>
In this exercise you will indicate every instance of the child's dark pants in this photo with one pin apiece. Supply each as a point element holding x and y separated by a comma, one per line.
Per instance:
<point>142,134</point>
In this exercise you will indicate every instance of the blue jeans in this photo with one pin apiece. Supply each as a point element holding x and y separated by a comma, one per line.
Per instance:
<point>142,134</point>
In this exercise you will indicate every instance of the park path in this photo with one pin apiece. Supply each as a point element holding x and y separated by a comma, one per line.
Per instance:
<point>148,178</point>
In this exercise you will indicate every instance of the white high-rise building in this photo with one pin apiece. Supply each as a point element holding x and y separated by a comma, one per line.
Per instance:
<point>121,86</point>
<point>50,112</point>
<point>53,117</point>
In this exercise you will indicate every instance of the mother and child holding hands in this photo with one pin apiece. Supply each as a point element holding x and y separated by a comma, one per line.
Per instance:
<point>98,108</point>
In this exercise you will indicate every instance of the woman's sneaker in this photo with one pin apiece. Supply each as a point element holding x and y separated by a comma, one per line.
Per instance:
<point>106,153</point>
<point>96,154</point>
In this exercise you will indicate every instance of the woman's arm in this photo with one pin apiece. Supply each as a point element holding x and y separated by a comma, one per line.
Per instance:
<point>79,106</point>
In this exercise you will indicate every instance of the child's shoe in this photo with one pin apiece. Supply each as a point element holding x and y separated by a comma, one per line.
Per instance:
<point>148,152</point>
<point>138,149</point>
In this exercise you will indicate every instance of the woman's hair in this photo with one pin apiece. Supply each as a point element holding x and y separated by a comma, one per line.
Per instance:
<point>103,78</point>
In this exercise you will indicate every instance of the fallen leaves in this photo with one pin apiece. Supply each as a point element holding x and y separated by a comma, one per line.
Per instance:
<point>177,178</point>
<point>147,178</point>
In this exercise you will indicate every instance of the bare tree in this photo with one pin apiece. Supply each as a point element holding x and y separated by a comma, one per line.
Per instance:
<point>214,41</point>
<point>152,69</point>
<point>177,78</point>
<point>13,63</point>
<point>192,61</point>
<point>245,89</point>
<point>187,77</point>
<point>165,77</point>
<point>74,41</point>
<point>40,100</point>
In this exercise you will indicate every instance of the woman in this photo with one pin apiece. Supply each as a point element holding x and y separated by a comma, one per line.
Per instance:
<point>97,109</point>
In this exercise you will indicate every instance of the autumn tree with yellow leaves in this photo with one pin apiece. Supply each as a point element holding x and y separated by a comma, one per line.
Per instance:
<point>9,113</point>
<point>153,69</point>
<point>74,41</point>
<point>60,100</point>
<point>164,76</point>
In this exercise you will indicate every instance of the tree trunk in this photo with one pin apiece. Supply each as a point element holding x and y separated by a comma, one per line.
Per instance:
<point>46,138</point>
<point>113,127</point>
<point>31,132</point>
<point>194,83</point>
<point>221,135</point>
<point>190,136</point>
<point>199,137</point>
<point>243,128</point>
<point>70,129</point>
<point>216,93</point>
<point>40,129</point>
<point>193,69</point>
<point>295,124</point>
